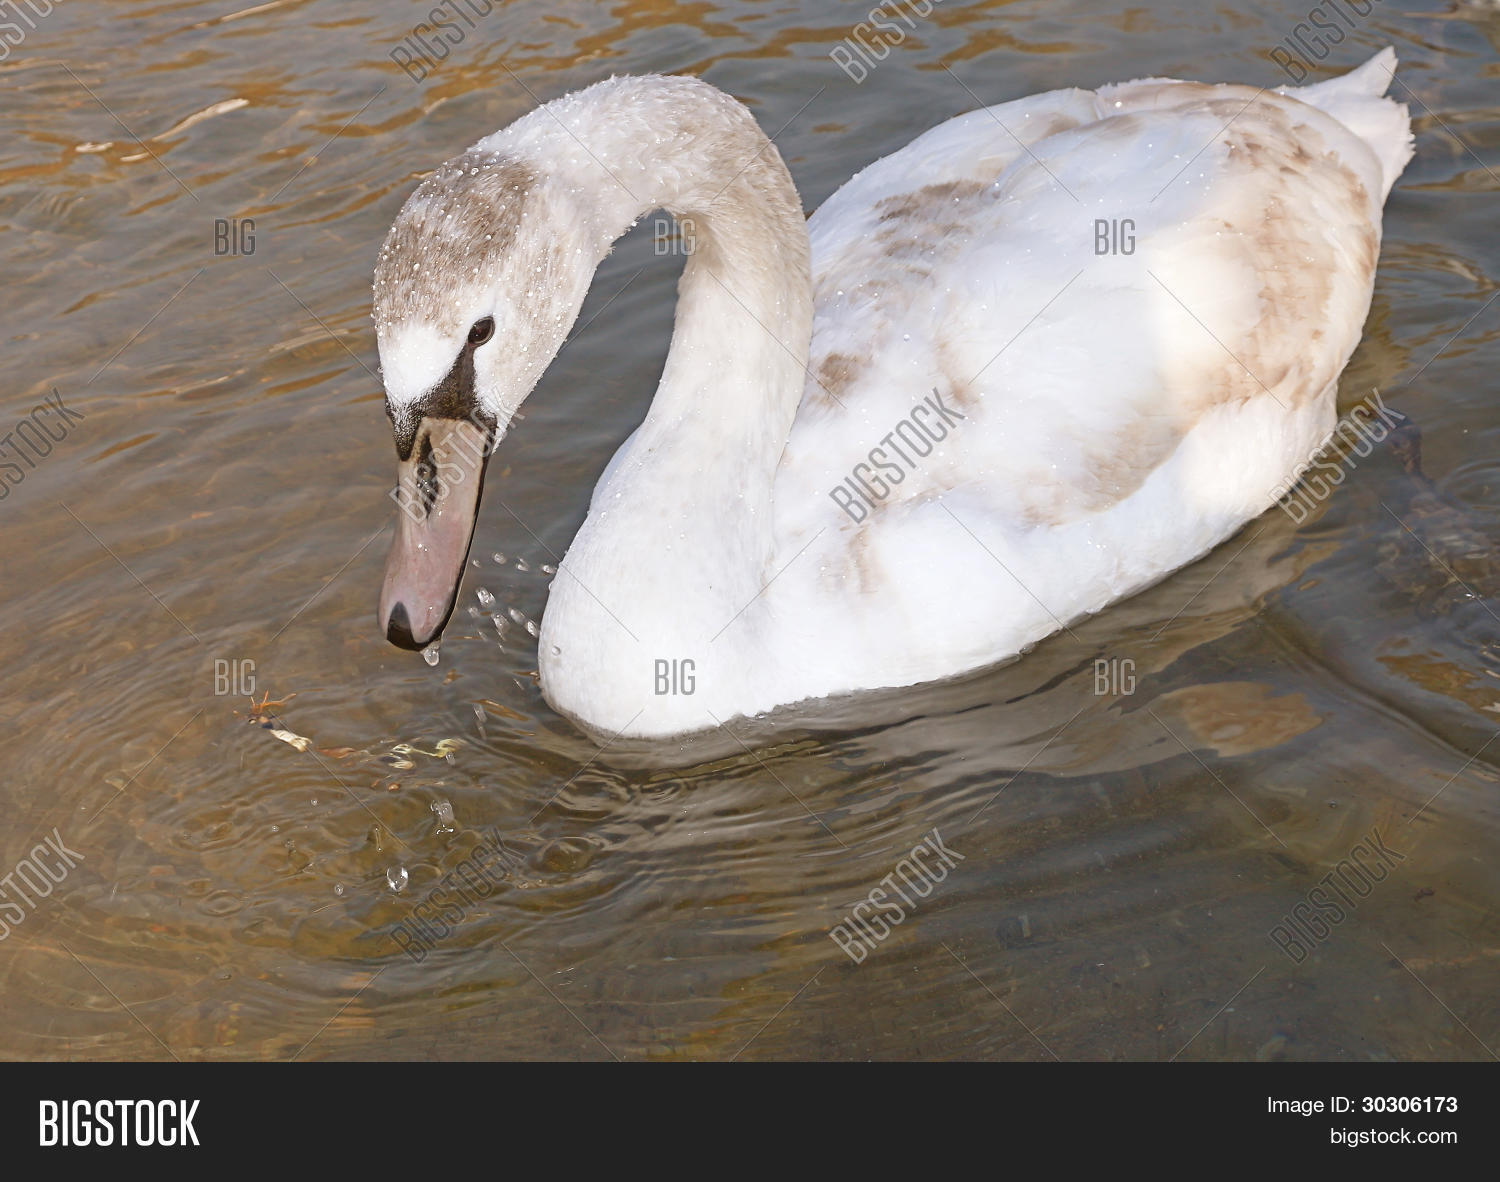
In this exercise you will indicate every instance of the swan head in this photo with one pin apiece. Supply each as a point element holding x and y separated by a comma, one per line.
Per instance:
<point>476,287</point>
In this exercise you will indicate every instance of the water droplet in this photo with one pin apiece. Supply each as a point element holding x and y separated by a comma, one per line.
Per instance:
<point>484,597</point>
<point>556,652</point>
<point>396,878</point>
<point>500,558</point>
<point>338,889</point>
<point>443,811</point>
<point>522,564</point>
<point>430,653</point>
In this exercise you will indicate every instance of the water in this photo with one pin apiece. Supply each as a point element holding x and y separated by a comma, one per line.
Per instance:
<point>214,527</point>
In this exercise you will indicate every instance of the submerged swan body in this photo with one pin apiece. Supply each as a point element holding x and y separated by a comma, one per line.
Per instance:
<point>1025,366</point>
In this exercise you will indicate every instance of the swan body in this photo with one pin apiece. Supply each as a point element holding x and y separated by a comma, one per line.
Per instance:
<point>916,433</point>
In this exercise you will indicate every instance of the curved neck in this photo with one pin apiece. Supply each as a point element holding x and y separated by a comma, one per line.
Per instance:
<point>621,149</point>
<point>679,535</point>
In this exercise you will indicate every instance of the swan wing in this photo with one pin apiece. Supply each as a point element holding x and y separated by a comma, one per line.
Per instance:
<point>1128,310</point>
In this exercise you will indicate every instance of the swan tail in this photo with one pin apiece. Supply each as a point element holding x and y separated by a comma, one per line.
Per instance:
<point>1358,101</point>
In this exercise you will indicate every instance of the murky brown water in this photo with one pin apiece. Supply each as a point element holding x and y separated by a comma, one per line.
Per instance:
<point>1124,855</point>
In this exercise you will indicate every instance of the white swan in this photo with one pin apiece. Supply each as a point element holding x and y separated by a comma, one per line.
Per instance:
<point>772,532</point>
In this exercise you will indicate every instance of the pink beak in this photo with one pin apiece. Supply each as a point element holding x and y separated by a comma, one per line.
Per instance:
<point>437,492</point>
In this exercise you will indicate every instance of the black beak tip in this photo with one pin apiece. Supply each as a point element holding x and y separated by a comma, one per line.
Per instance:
<point>398,630</point>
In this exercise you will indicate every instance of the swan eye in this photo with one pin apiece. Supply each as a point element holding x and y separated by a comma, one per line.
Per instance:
<point>482,331</point>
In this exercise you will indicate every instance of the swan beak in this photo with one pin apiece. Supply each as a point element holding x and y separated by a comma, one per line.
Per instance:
<point>437,491</point>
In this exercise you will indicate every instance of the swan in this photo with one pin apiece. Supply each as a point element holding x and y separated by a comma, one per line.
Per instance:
<point>1025,366</point>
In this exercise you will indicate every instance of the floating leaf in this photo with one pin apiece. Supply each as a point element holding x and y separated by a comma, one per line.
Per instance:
<point>444,747</point>
<point>301,742</point>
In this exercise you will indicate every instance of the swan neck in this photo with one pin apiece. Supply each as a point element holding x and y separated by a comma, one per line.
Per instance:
<point>680,532</point>
<point>628,147</point>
